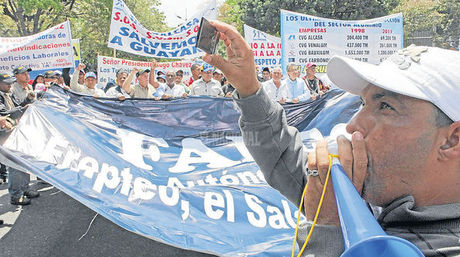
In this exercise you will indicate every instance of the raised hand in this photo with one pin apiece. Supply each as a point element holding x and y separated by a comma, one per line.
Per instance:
<point>81,66</point>
<point>239,67</point>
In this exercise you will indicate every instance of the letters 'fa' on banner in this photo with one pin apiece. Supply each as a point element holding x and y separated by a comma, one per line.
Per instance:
<point>174,171</point>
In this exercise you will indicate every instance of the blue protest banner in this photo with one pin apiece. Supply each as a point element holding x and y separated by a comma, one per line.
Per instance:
<point>174,171</point>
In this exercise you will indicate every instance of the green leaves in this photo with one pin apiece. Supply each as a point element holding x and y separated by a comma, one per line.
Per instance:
<point>439,16</point>
<point>436,21</point>
<point>90,21</point>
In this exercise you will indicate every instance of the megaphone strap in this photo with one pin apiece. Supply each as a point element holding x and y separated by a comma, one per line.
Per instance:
<point>331,156</point>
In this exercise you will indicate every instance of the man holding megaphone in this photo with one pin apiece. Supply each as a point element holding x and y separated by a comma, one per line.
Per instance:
<point>404,154</point>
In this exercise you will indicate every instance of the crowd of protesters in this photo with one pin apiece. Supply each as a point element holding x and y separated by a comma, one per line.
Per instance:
<point>17,91</point>
<point>205,80</point>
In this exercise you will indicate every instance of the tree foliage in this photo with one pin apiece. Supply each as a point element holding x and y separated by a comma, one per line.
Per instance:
<point>448,30</point>
<point>439,19</point>
<point>33,16</point>
<point>230,12</point>
<point>90,21</point>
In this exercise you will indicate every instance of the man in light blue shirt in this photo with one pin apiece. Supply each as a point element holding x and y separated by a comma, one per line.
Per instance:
<point>160,90</point>
<point>296,85</point>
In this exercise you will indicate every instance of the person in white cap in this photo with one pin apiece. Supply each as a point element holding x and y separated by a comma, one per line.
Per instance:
<point>404,155</point>
<point>206,85</point>
<point>218,75</point>
<point>143,87</point>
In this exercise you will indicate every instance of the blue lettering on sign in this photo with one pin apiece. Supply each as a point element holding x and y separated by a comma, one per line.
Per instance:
<point>134,35</point>
<point>180,29</point>
<point>178,45</point>
<point>116,40</point>
<point>174,54</point>
<point>176,49</point>
<point>135,46</point>
<point>262,62</point>
<point>185,51</point>
<point>192,40</point>
<point>124,31</point>
<point>150,43</point>
<point>162,54</point>
<point>166,46</point>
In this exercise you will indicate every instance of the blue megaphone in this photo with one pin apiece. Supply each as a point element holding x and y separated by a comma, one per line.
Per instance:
<point>362,234</point>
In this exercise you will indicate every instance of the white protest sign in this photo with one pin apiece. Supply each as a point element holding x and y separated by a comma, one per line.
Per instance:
<point>50,49</point>
<point>266,48</point>
<point>129,35</point>
<point>307,38</point>
<point>107,67</point>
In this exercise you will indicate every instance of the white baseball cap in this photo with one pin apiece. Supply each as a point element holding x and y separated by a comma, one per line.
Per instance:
<point>428,73</point>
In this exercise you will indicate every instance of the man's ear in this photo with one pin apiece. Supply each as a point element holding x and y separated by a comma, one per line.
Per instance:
<point>451,147</point>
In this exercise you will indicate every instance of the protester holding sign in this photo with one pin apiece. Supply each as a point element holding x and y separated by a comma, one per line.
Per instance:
<point>89,88</point>
<point>142,89</point>
<point>60,78</point>
<point>219,76</point>
<point>405,149</point>
<point>9,104</point>
<point>18,181</point>
<point>40,79</point>
<point>51,78</point>
<point>170,89</point>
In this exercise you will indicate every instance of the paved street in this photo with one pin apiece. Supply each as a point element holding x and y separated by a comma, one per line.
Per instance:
<point>56,225</point>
